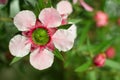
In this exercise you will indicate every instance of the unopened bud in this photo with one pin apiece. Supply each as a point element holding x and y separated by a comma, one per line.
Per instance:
<point>99,60</point>
<point>110,52</point>
<point>101,19</point>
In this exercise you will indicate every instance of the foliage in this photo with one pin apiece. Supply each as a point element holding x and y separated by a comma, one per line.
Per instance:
<point>76,64</point>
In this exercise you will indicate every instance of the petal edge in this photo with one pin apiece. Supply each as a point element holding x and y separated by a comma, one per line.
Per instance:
<point>18,46</point>
<point>50,17</point>
<point>41,59</point>
<point>24,20</point>
<point>63,40</point>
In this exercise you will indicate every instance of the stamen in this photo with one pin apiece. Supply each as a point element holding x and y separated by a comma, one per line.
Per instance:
<point>40,36</point>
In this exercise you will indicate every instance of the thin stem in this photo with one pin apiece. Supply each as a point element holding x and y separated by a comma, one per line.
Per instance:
<point>5,19</point>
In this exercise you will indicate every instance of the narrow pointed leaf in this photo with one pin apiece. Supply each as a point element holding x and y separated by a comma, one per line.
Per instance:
<point>92,75</point>
<point>15,59</point>
<point>74,20</point>
<point>84,33</point>
<point>65,26</point>
<point>103,46</point>
<point>112,64</point>
<point>41,5</point>
<point>44,3</point>
<point>89,46</point>
<point>84,67</point>
<point>58,54</point>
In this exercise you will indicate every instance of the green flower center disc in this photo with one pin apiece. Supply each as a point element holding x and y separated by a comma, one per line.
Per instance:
<point>40,36</point>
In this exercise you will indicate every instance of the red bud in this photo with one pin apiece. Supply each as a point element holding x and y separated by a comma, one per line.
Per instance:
<point>99,60</point>
<point>110,52</point>
<point>101,19</point>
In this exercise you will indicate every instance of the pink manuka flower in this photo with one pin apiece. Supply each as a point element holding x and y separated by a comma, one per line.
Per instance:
<point>84,5</point>
<point>40,37</point>
<point>101,19</point>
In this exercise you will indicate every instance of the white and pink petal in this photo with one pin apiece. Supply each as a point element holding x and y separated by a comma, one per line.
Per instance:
<point>75,1</point>
<point>63,40</point>
<point>73,30</point>
<point>25,20</point>
<point>41,59</point>
<point>19,46</point>
<point>64,7</point>
<point>86,6</point>
<point>50,17</point>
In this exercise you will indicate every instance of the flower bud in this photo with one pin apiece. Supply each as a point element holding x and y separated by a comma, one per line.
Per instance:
<point>101,19</point>
<point>110,52</point>
<point>99,60</point>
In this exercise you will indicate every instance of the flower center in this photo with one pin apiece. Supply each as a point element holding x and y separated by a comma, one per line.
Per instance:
<point>40,36</point>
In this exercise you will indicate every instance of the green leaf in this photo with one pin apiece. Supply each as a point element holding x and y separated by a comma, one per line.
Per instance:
<point>103,46</point>
<point>44,3</point>
<point>14,8</point>
<point>48,3</point>
<point>83,36</point>
<point>30,4</point>
<point>84,67</point>
<point>92,75</point>
<point>41,5</point>
<point>15,59</point>
<point>112,64</point>
<point>117,77</point>
<point>75,20</point>
<point>65,26</point>
<point>89,46</point>
<point>1,6</point>
<point>58,54</point>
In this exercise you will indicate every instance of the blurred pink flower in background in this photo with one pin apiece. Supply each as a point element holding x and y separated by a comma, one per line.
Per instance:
<point>40,37</point>
<point>101,19</point>
<point>3,1</point>
<point>110,52</point>
<point>99,60</point>
<point>84,5</point>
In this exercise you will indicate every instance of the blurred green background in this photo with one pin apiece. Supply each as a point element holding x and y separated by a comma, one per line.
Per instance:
<point>77,64</point>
